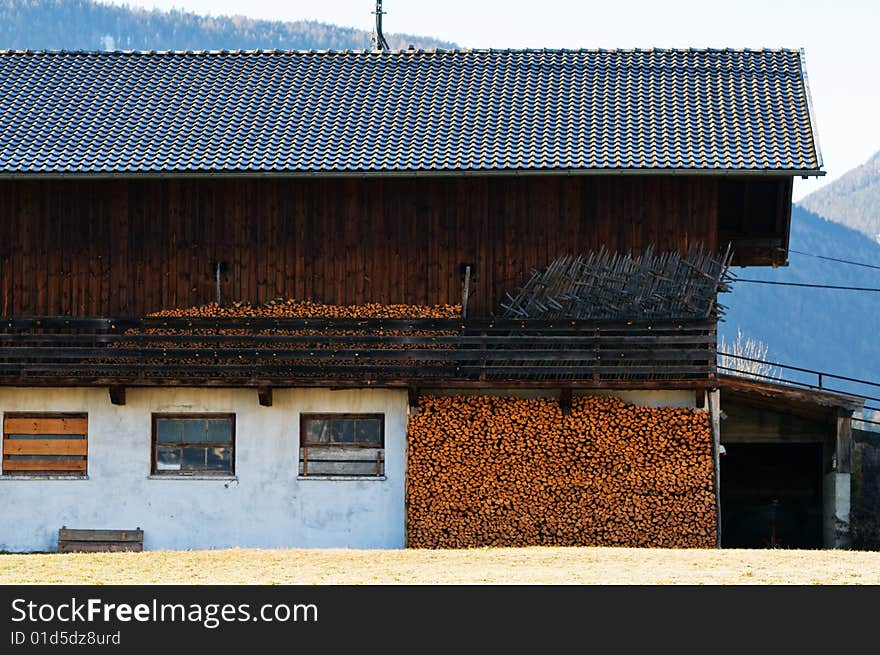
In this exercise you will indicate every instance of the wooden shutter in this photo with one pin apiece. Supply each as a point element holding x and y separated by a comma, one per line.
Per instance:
<point>43,444</point>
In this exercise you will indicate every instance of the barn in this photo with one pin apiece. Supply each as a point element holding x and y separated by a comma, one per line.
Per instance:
<point>380,299</point>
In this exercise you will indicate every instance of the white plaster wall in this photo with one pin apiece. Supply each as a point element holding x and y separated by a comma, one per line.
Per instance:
<point>836,489</point>
<point>263,506</point>
<point>645,398</point>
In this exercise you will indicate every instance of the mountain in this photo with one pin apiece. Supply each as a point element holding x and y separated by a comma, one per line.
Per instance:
<point>89,25</point>
<point>821,329</point>
<point>852,200</point>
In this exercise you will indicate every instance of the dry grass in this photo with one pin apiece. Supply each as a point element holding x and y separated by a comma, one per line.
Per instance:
<point>475,566</point>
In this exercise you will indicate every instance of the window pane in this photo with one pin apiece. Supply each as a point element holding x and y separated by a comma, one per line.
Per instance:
<point>369,431</point>
<point>193,459</point>
<point>342,430</point>
<point>219,429</point>
<point>167,459</point>
<point>317,431</point>
<point>168,430</point>
<point>194,429</point>
<point>219,459</point>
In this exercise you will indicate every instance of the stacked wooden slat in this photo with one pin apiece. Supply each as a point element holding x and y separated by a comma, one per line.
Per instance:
<point>603,284</point>
<point>100,541</point>
<point>500,471</point>
<point>45,445</point>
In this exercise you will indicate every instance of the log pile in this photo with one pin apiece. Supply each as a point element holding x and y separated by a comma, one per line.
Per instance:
<point>498,471</point>
<point>289,308</point>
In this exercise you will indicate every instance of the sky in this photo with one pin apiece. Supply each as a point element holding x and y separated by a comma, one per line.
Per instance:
<point>838,39</point>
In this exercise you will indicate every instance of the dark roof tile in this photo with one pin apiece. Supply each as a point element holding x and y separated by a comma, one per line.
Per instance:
<point>420,111</point>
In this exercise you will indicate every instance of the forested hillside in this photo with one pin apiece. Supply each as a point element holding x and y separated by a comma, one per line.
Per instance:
<point>89,25</point>
<point>853,200</point>
<point>824,329</point>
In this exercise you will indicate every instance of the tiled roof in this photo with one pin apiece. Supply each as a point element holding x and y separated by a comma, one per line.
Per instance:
<point>409,111</point>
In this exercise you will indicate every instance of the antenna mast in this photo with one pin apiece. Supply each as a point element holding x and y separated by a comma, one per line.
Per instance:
<point>378,41</point>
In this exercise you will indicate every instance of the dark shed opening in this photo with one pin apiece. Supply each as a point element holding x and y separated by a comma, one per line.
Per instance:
<point>771,496</point>
<point>785,475</point>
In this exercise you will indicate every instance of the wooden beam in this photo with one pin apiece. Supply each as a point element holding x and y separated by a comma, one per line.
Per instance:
<point>366,324</point>
<point>843,447</point>
<point>117,395</point>
<point>44,465</point>
<point>783,210</point>
<point>94,541</point>
<point>67,534</point>
<point>265,394</point>
<point>413,397</point>
<point>39,425</point>
<point>45,446</point>
<point>816,413</point>
<point>713,404</point>
<point>391,382</point>
<point>779,390</point>
<point>100,546</point>
<point>565,401</point>
<point>466,287</point>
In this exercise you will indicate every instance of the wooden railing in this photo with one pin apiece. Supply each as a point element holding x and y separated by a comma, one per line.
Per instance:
<point>319,352</point>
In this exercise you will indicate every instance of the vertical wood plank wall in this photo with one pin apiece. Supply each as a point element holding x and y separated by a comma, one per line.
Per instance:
<point>126,247</point>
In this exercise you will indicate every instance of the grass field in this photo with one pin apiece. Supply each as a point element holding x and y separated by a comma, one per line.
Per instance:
<point>477,566</point>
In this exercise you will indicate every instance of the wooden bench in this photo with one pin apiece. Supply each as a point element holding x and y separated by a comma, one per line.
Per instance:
<point>99,541</point>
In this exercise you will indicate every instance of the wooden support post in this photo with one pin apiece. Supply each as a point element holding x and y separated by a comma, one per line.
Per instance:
<point>265,393</point>
<point>413,395</point>
<point>843,447</point>
<point>700,398</point>
<point>713,404</point>
<point>117,395</point>
<point>483,357</point>
<point>565,401</point>
<point>465,293</point>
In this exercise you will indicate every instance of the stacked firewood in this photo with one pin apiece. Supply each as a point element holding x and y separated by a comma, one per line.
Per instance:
<point>288,308</point>
<point>281,308</point>
<point>500,471</point>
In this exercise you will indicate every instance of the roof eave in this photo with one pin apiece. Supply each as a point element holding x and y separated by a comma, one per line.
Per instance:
<point>802,393</point>
<point>35,175</point>
<point>811,112</point>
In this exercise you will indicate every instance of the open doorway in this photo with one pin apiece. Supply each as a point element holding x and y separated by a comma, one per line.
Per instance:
<point>771,495</point>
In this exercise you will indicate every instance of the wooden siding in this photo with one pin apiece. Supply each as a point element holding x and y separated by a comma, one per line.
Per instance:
<point>128,247</point>
<point>749,424</point>
<point>755,216</point>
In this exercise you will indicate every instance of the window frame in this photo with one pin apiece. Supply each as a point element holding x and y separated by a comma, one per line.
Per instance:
<point>155,417</point>
<point>45,474</point>
<point>329,416</point>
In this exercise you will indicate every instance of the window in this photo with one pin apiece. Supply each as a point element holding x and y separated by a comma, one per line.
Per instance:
<point>45,444</point>
<point>193,444</point>
<point>342,445</point>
